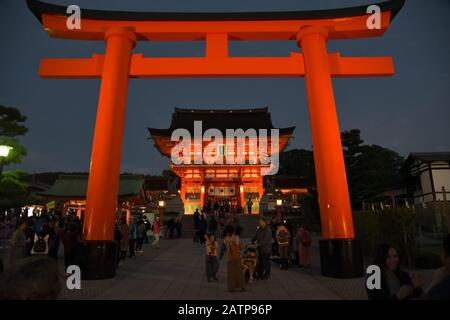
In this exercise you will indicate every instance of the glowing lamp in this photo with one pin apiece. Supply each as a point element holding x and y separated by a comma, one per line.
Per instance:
<point>161,203</point>
<point>279,202</point>
<point>4,151</point>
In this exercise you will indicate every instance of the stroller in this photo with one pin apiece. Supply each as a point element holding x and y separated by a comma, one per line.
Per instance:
<point>249,261</point>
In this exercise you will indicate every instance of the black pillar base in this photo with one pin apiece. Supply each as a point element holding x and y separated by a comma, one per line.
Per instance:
<point>98,259</point>
<point>341,258</point>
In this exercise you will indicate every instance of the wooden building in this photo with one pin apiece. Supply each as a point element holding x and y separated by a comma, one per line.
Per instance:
<point>203,183</point>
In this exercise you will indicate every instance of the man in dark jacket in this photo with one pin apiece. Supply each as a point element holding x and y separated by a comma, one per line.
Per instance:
<point>263,239</point>
<point>196,225</point>
<point>202,229</point>
<point>212,227</point>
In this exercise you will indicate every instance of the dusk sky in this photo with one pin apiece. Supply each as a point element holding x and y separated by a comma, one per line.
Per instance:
<point>408,112</point>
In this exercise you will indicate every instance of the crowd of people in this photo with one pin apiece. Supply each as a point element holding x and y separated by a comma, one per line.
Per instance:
<point>48,233</point>
<point>36,241</point>
<point>272,240</point>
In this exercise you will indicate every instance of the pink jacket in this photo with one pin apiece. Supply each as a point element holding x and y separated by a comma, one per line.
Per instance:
<point>156,227</point>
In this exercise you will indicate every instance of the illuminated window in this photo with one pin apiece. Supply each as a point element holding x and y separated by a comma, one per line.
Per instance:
<point>222,150</point>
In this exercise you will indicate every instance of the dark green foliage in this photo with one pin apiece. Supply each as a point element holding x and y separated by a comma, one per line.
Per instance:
<point>428,260</point>
<point>297,162</point>
<point>16,153</point>
<point>396,227</point>
<point>13,189</point>
<point>11,122</point>
<point>371,169</point>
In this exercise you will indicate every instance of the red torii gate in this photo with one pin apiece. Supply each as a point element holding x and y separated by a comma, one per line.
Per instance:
<point>340,252</point>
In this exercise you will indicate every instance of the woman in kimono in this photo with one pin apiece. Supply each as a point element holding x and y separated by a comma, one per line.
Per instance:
<point>231,245</point>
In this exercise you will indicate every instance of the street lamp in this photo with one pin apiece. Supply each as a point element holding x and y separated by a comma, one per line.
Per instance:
<point>161,205</point>
<point>4,152</point>
<point>279,203</point>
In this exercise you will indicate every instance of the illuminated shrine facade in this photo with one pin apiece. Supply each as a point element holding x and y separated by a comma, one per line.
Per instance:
<point>206,183</point>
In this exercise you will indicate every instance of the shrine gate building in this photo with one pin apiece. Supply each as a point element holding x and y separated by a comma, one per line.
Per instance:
<point>203,184</point>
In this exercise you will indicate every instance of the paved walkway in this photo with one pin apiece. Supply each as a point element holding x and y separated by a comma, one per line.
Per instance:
<point>176,271</point>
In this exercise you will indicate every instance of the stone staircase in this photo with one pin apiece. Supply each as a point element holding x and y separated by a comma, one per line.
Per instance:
<point>248,224</point>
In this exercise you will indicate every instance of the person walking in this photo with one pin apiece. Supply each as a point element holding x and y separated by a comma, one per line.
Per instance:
<point>171,226</point>
<point>263,240</point>
<point>196,225</point>
<point>202,227</point>
<point>141,231</point>
<point>212,226</point>
<point>231,245</point>
<point>148,227</point>
<point>125,241</point>
<point>212,263</point>
<point>117,238</point>
<point>156,231</point>
<point>283,237</point>
<point>305,242</point>
<point>178,225</point>
<point>133,237</point>
<point>71,240</point>
<point>249,205</point>
<point>17,250</point>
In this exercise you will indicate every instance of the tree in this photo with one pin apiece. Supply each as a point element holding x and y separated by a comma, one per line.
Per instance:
<point>13,186</point>
<point>371,169</point>
<point>11,122</point>
<point>11,125</point>
<point>297,162</point>
<point>16,153</point>
<point>13,189</point>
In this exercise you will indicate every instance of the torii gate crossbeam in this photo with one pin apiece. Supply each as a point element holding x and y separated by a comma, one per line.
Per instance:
<point>340,252</point>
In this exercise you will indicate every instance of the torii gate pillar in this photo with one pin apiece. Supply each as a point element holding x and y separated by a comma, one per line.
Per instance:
<point>100,248</point>
<point>340,253</point>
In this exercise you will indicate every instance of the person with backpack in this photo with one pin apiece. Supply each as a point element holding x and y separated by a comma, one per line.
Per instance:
<point>231,245</point>
<point>41,239</point>
<point>283,237</point>
<point>305,243</point>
